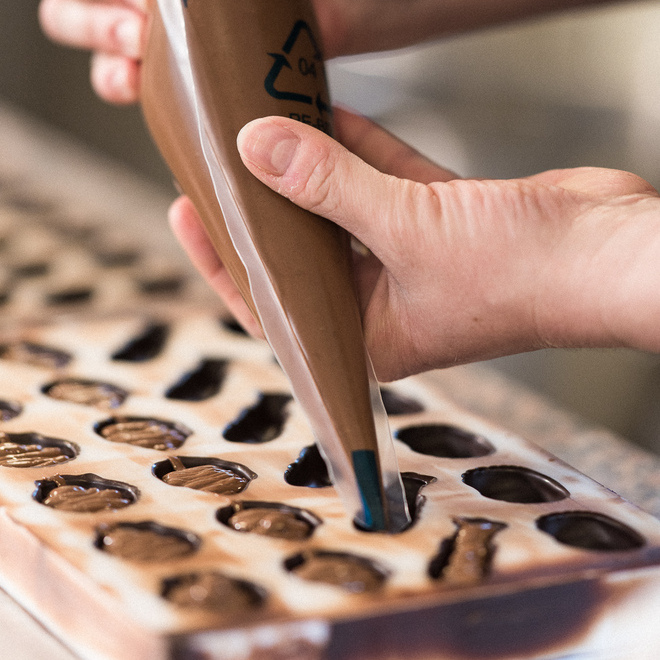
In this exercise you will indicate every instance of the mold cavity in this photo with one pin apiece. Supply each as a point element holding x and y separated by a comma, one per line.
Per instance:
<point>210,590</point>
<point>4,297</point>
<point>444,441</point>
<point>203,382</point>
<point>145,432</point>
<point>260,423</point>
<point>467,556</point>
<point>35,355</point>
<point>72,296</point>
<point>161,286</point>
<point>211,475</point>
<point>397,404</point>
<point>590,531</point>
<point>116,258</point>
<point>9,410</point>
<point>509,483</point>
<point>145,346</point>
<point>84,493</point>
<point>146,541</point>
<point>350,572</point>
<point>308,470</point>
<point>27,450</point>
<point>233,326</point>
<point>86,392</point>
<point>31,269</point>
<point>269,519</point>
<point>413,484</point>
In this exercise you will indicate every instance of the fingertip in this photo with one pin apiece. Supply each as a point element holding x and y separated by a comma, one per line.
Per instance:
<point>115,79</point>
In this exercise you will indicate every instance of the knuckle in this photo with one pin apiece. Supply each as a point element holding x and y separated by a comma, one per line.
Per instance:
<point>314,187</point>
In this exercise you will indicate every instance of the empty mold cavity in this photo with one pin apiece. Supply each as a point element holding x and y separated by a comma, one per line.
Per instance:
<point>31,269</point>
<point>308,470</point>
<point>146,432</point>
<point>340,569</point>
<point>71,296</point>
<point>146,541</point>
<point>233,326</point>
<point>510,483</point>
<point>84,493</point>
<point>398,404</point>
<point>86,392</point>
<point>201,383</point>
<point>444,441</point>
<point>413,483</point>
<point>590,531</point>
<point>212,475</point>
<point>9,410</point>
<point>36,355</point>
<point>161,286</point>
<point>146,345</point>
<point>261,422</point>
<point>214,591</point>
<point>466,557</point>
<point>29,450</point>
<point>269,519</point>
<point>116,257</point>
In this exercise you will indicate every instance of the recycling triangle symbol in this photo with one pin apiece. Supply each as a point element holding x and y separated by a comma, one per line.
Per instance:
<point>308,67</point>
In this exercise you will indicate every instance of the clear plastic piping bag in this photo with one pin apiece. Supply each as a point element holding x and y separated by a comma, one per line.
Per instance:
<point>211,66</point>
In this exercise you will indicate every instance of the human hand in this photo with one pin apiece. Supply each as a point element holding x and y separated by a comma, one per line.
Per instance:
<point>463,270</point>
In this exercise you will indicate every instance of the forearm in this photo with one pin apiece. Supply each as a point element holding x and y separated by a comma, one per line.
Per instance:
<point>358,26</point>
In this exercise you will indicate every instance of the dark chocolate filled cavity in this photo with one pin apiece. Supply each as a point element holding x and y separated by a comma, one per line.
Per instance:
<point>444,441</point>
<point>35,355</point>
<point>308,470</point>
<point>510,483</point>
<point>413,483</point>
<point>200,384</point>
<point>350,572</point>
<point>146,541</point>
<point>86,392</point>
<point>590,531</point>
<point>29,450</point>
<point>269,519</point>
<point>211,475</point>
<point>260,423</point>
<point>210,590</point>
<point>147,345</point>
<point>398,404</point>
<point>84,493</point>
<point>233,326</point>
<point>146,432</point>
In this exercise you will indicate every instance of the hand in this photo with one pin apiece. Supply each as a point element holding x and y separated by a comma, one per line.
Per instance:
<point>463,270</point>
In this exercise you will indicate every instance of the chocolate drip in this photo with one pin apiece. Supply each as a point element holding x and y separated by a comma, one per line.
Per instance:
<point>397,404</point>
<point>27,450</point>
<point>146,542</point>
<point>9,410</point>
<point>144,432</point>
<point>210,475</point>
<point>444,441</point>
<point>466,557</point>
<point>350,572</point>
<point>85,493</point>
<point>35,354</point>
<point>86,392</point>
<point>269,519</point>
<point>261,423</point>
<point>145,346</point>
<point>308,470</point>
<point>210,590</point>
<point>203,382</point>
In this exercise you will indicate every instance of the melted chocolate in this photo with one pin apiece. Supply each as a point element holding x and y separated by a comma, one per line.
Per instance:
<point>36,355</point>
<point>86,392</point>
<point>200,384</point>
<point>28,450</point>
<point>9,410</point>
<point>308,470</point>
<point>210,475</point>
<point>210,590</point>
<point>444,441</point>
<point>146,542</point>
<point>85,493</point>
<point>350,572</point>
<point>510,483</point>
<point>145,346</point>
<point>144,432</point>
<point>590,531</point>
<point>466,558</point>
<point>261,423</point>
<point>269,519</point>
<point>397,404</point>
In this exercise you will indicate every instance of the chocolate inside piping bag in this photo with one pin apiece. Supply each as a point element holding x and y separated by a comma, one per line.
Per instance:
<point>209,69</point>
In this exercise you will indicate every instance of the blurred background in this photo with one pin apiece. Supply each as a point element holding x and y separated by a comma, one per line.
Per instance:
<point>579,88</point>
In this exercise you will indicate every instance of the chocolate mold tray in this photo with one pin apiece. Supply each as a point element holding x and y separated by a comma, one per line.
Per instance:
<point>162,498</point>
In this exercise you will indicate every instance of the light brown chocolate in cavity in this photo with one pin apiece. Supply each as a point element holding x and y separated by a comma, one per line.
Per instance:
<point>270,522</point>
<point>145,544</point>
<point>144,432</point>
<point>84,499</point>
<point>349,572</point>
<point>28,450</point>
<point>87,393</point>
<point>209,478</point>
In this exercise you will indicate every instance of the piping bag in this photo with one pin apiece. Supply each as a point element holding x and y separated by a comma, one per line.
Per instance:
<point>210,67</point>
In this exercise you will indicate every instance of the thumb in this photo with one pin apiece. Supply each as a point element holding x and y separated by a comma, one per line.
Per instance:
<point>317,173</point>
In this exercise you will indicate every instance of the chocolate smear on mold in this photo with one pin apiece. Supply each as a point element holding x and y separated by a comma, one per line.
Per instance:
<point>85,493</point>
<point>211,475</point>
<point>260,423</point>
<point>145,346</point>
<point>200,384</point>
<point>146,432</point>
<point>146,541</point>
<point>28,450</point>
<point>36,355</point>
<point>308,470</point>
<point>86,392</point>
<point>465,559</point>
<point>444,441</point>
